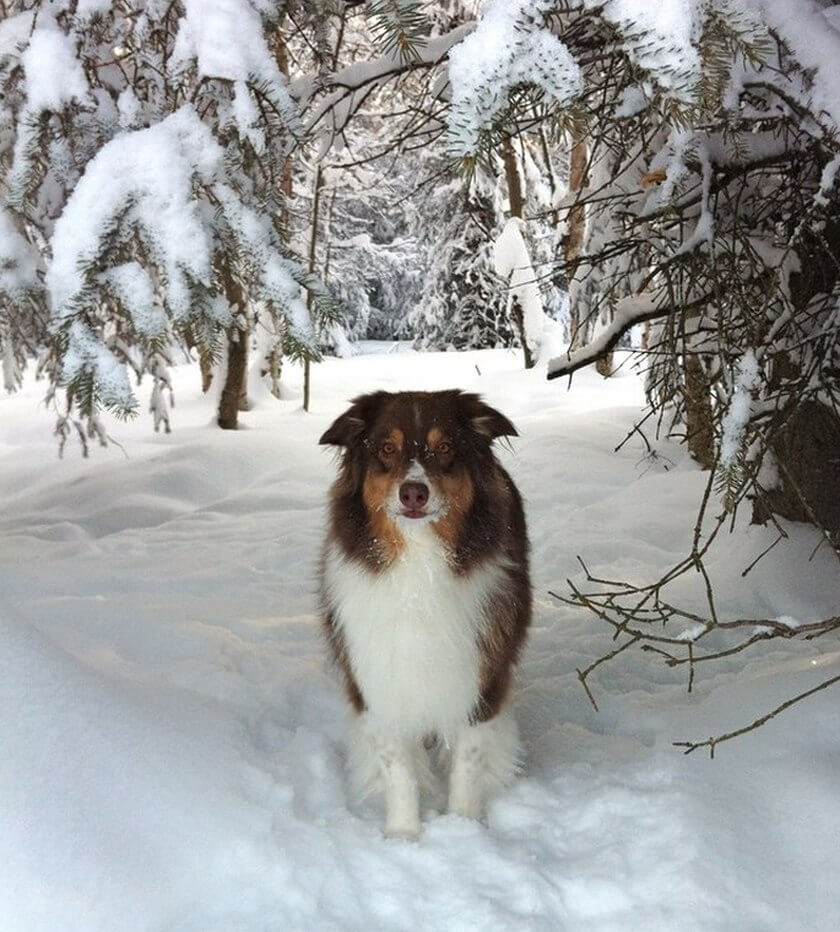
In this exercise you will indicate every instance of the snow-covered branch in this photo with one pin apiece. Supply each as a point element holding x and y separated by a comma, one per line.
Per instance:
<point>348,87</point>
<point>628,312</point>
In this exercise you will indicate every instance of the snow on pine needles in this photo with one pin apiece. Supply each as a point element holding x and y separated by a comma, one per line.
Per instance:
<point>172,737</point>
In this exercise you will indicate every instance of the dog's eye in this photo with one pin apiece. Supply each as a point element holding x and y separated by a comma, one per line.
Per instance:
<point>387,448</point>
<point>444,448</point>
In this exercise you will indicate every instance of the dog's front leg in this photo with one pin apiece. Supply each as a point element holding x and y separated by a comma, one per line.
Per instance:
<point>402,797</point>
<point>485,758</point>
<point>465,777</point>
<point>399,776</point>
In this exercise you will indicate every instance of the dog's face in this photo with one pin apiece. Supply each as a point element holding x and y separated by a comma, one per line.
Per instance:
<point>417,457</point>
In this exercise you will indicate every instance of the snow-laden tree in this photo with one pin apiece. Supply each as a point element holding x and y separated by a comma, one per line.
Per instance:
<point>143,153</point>
<point>705,206</point>
<point>463,303</point>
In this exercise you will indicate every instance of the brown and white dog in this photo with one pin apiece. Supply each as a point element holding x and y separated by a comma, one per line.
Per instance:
<point>426,594</point>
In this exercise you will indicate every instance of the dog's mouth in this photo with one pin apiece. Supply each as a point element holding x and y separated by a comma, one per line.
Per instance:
<point>414,513</point>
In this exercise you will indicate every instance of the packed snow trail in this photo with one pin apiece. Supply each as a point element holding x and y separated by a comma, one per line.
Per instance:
<point>173,738</point>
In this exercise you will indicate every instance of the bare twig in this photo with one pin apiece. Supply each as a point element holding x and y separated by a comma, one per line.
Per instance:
<point>712,743</point>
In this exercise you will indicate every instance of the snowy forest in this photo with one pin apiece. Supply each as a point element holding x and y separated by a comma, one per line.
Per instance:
<point>617,220</point>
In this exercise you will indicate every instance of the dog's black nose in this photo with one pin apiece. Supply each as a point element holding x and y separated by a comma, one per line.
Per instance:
<point>414,495</point>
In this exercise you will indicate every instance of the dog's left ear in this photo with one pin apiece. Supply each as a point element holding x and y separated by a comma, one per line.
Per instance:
<point>485,420</point>
<point>347,429</point>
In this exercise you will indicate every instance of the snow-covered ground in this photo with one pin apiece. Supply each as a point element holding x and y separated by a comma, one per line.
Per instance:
<point>171,737</point>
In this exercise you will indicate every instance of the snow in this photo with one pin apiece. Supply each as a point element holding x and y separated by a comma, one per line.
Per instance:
<point>135,289</point>
<point>172,736</point>
<point>740,406</point>
<point>804,26</point>
<point>148,175</point>
<point>86,353</point>
<point>628,311</point>
<point>54,75</point>
<point>207,30</point>
<point>204,35</point>
<point>658,37</point>
<point>18,260</point>
<point>827,180</point>
<point>14,34</point>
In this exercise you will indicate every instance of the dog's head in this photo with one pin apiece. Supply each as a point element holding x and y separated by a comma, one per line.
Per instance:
<point>417,456</point>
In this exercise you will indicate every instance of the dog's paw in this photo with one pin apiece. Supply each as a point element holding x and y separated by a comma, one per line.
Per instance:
<point>403,832</point>
<point>467,809</point>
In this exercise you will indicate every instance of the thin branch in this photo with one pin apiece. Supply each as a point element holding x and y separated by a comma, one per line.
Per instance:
<point>712,743</point>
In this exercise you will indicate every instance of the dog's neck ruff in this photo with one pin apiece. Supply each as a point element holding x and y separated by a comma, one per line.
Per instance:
<point>412,633</point>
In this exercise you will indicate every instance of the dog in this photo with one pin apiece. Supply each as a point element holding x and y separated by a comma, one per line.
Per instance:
<point>426,595</point>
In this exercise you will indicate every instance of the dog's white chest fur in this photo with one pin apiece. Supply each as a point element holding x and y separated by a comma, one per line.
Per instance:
<point>411,634</point>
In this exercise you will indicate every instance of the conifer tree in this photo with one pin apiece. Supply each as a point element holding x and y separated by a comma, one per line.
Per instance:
<point>142,199</point>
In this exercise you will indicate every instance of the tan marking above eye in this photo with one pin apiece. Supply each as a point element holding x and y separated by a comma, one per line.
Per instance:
<point>392,443</point>
<point>437,442</point>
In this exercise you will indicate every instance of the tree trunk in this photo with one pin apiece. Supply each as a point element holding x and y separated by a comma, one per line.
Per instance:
<point>576,229</point>
<point>205,364</point>
<point>313,242</point>
<point>237,366</point>
<point>516,203</point>
<point>604,365</point>
<point>230,400</point>
<point>808,456</point>
<point>243,403</point>
<point>807,448</point>
<point>698,412</point>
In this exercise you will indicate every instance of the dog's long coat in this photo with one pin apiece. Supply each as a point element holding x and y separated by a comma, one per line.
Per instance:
<point>426,593</point>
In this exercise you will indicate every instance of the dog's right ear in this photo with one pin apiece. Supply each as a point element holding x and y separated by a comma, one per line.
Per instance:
<point>343,431</point>
<point>346,430</point>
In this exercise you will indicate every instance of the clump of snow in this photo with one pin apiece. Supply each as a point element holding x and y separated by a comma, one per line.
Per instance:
<point>131,284</point>
<point>86,353</point>
<point>87,9</point>
<point>129,109</point>
<point>827,181</point>
<point>14,34</point>
<point>660,39</point>
<point>206,34</point>
<point>512,261</point>
<point>704,228</point>
<point>54,75</point>
<point>814,43</point>
<point>146,178</point>
<point>738,415</point>
<point>19,261</point>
